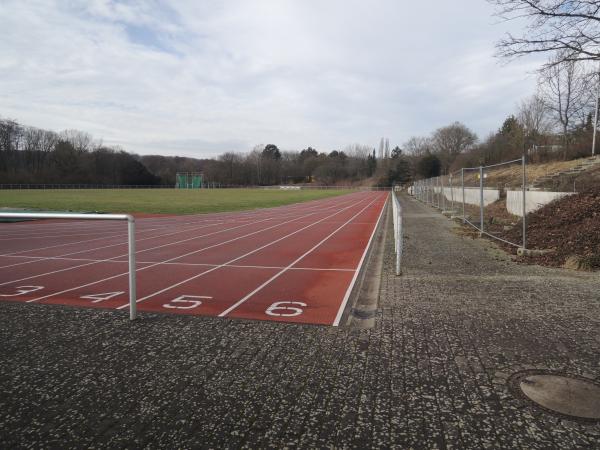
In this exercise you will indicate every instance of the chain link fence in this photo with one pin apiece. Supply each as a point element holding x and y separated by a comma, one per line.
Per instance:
<point>490,204</point>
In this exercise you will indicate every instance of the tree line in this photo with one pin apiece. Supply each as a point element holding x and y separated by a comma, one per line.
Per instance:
<point>30,155</point>
<point>268,165</point>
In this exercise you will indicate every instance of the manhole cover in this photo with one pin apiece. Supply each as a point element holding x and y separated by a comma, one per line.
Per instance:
<point>567,395</point>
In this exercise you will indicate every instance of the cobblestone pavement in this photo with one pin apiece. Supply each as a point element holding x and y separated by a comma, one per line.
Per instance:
<point>430,374</point>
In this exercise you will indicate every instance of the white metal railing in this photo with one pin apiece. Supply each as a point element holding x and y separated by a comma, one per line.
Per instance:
<point>398,232</point>
<point>130,238</point>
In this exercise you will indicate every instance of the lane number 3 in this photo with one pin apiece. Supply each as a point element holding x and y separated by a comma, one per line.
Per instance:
<point>22,290</point>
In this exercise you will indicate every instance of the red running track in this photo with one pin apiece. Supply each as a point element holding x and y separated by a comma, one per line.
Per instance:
<point>296,263</point>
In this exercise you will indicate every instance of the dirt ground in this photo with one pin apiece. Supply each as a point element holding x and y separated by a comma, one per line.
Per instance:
<point>569,228</point>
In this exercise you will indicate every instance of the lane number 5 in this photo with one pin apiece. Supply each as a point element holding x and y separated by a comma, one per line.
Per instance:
<point>186,302</point>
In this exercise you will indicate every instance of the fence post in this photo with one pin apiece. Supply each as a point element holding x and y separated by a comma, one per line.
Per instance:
<point>462,182</point>
<point>481,199</point>
<point>451,192</point>
<point>431,191</point>
<point>524,204</point>
<point>443,193</point>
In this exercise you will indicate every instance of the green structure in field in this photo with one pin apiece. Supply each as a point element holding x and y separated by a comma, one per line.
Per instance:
<point>188,180</point>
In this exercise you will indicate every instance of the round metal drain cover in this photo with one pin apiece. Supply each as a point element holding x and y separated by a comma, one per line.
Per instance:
<point>566,395</point>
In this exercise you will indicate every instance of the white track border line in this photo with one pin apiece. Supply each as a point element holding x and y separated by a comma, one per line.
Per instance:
<point>285,269</point>
<point>148,267</point>
<point>242,256</point>
<point>342,307</point>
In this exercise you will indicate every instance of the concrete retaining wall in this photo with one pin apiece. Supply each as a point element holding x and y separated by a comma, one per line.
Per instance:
<point>471,195</point>
<point>534,200</point>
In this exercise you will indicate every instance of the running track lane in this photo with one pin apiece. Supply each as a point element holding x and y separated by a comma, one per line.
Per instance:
<point>296,263</point>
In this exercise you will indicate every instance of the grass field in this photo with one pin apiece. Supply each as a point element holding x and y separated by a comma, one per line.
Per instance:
<point>165,201</point>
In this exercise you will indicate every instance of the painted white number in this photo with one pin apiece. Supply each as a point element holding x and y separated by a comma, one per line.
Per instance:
<point>285,311</point>
<point>186,302</point>
<point>21,290</point>
<point>101,297</point>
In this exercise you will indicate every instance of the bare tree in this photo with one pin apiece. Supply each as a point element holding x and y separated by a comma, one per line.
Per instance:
<point>418,146</point>
<point>566,91</point>
<point>82,142</point>
<point>231,163</point>
<point>533,116</point>
<point>452,140</point>
<point>571,27</point>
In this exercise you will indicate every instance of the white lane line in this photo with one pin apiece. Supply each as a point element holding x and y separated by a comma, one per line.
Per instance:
<point>235,259</point>
<point>49,236</point>
<point>342,307</point>
<point>168,260</point>
<point>125,254</point>
<point>273,217</point>
<point>82,229</point>
<point>42,258</point>
<point>285,269</point>
<point>282,216</point>
<point>158,263</point>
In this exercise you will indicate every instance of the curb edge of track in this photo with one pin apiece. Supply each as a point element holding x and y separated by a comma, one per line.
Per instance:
<point>361,310</point>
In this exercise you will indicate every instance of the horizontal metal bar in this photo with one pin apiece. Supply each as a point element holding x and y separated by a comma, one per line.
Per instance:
<point>504,163</point>
<point>14,215</point>
<point>490,235</point>
<point>130,240</point>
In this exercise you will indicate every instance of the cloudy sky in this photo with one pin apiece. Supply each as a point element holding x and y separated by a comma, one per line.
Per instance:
<point>199,77</point>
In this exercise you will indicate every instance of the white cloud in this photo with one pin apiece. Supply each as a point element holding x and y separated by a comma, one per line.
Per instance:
<point>199,77</point>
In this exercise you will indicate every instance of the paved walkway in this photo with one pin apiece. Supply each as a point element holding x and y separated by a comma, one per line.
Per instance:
<point>431,373</point>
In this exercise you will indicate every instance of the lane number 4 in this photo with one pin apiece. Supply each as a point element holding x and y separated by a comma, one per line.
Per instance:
<point>97,298</point>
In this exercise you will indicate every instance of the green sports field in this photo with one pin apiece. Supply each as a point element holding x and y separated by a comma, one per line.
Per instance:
<point>163,201</point>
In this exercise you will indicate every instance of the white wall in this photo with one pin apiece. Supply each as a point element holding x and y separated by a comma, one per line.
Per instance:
<point>534,200</point>
<point>471,195</point>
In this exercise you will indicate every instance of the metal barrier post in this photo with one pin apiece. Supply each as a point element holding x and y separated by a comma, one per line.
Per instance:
<point>130,237</point>
<point>397,218</point>
<point>132,269</point>
<point>481,199</point>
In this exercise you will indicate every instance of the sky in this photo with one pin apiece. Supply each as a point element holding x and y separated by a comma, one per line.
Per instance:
<point>201,77</point>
